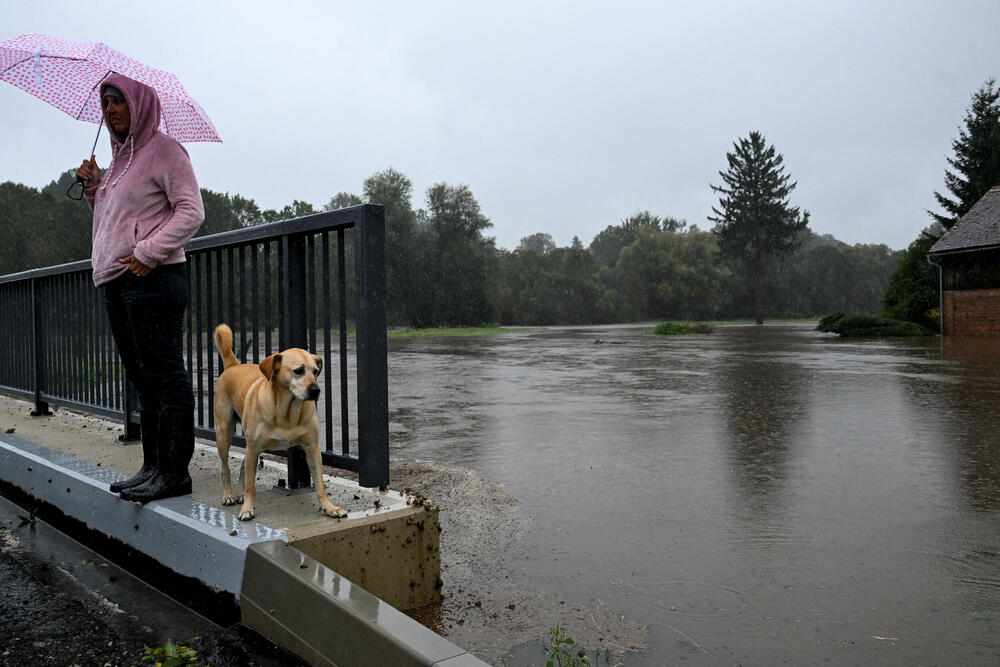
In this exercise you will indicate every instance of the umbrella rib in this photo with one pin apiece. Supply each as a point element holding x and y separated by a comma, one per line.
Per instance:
<point>32,57</point>
<point>80,113</point>
<point>16,64</point>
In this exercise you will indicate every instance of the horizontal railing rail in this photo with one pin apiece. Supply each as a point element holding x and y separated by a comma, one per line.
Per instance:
<point>293,283</point>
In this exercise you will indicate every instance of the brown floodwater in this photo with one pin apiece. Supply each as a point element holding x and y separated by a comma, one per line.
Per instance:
<point>758,495</point>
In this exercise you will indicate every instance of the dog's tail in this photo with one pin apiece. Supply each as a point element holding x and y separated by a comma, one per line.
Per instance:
<point>224,344</point>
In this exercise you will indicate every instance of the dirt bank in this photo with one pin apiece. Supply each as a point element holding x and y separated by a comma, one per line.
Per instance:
<point>486,609</point>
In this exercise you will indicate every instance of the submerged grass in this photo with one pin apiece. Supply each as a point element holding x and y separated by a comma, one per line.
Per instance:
<point>681,328</point>
<point>771,320</point>
<point>452,332</point>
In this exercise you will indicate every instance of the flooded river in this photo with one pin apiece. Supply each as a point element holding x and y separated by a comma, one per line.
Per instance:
<point>759,495</point>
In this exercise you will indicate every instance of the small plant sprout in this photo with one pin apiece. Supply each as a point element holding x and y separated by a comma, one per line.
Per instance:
<point>170,654</point>
<point>560,651</point>
<point>29,520</point>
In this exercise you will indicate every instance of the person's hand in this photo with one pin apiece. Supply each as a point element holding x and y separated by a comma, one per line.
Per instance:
<point>135,266</point>
<point>89,173</point>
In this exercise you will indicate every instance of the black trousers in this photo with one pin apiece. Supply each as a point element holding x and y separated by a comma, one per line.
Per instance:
<point>147,322</point>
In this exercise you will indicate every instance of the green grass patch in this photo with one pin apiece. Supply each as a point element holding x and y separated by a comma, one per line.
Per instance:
<point>452,332</point>
<point>866,326</point>
<point>681,328</point>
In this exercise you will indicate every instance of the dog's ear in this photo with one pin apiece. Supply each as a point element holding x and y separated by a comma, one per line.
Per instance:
<point>270,366</point>
<point>319,364</point>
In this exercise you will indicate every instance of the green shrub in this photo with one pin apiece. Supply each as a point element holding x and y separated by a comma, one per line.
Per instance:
<point>860,326</point>
<point>829,322</point>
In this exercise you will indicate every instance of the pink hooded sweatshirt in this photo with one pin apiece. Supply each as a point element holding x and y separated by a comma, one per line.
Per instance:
<point>148,203</point>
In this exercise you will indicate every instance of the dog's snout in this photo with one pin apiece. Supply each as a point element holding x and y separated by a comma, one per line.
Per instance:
<point>313,392</point>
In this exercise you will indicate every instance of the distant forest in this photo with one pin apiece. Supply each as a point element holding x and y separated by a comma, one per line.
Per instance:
<point>443,268</point>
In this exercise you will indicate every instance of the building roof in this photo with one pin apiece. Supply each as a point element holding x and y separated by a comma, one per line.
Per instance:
<point>977,229</point>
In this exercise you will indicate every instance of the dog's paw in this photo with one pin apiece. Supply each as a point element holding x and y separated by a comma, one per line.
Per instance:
<point>246,515</point>
<point>334,511</point>
<point>231,500</point>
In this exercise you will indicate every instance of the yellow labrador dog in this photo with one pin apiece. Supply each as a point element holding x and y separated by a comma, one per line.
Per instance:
<point>276,403</point>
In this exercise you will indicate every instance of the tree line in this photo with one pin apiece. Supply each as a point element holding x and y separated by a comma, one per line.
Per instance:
<point>444,269</point>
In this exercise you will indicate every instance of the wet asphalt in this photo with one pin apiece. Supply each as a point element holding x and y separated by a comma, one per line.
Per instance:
<point>63,604</point>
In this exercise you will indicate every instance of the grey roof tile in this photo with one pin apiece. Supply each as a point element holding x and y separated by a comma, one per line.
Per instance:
<point>979,228</point>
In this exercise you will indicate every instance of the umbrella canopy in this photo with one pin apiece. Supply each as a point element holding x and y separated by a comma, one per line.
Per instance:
<point>68,76</point>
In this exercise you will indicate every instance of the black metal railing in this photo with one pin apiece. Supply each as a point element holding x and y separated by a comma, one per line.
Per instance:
<point>280,285</point>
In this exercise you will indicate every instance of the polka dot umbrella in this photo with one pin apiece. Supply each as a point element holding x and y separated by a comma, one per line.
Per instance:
<point>68,76</point>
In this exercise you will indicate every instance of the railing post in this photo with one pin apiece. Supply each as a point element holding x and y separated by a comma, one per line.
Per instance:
<point>372,349</point>
<point>293,331</point>
<point>38,338</point>
<point>133,431</point>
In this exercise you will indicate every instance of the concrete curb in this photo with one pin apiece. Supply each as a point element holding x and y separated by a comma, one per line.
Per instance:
<point>307,608</point>
<point>290,598</point>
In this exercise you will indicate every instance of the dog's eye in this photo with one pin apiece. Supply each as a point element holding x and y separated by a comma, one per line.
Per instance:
<point>300,370</point>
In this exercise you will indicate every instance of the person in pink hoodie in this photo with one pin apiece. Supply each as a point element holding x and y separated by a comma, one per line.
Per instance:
<point>146,206</point>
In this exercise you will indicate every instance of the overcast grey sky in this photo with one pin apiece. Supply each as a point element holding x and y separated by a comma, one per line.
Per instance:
<point>562,117</point>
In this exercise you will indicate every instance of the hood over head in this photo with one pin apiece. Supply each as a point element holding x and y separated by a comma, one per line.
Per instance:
<point>143,107</point>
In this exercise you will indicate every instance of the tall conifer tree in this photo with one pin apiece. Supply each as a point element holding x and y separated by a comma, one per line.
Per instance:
<point>976,163</point>
<point>754,222</point>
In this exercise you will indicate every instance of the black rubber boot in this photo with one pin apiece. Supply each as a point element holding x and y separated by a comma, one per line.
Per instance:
<point>176,446</point>
<point>149,424</point>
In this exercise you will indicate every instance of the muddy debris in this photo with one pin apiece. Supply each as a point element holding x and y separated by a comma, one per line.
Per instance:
<point>485,608</point>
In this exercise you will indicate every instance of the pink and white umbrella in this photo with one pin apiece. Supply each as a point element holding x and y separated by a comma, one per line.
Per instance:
<point>68,76</point>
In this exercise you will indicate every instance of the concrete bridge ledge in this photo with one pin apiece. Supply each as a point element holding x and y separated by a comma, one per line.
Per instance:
<point>284,594</point>
<point>188,537</point>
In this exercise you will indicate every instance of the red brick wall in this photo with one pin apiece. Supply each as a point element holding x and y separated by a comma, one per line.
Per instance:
<point>971,312</point>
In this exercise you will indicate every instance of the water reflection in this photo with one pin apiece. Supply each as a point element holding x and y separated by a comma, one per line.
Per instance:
<point>762,400</point>
<point>974,400</point>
